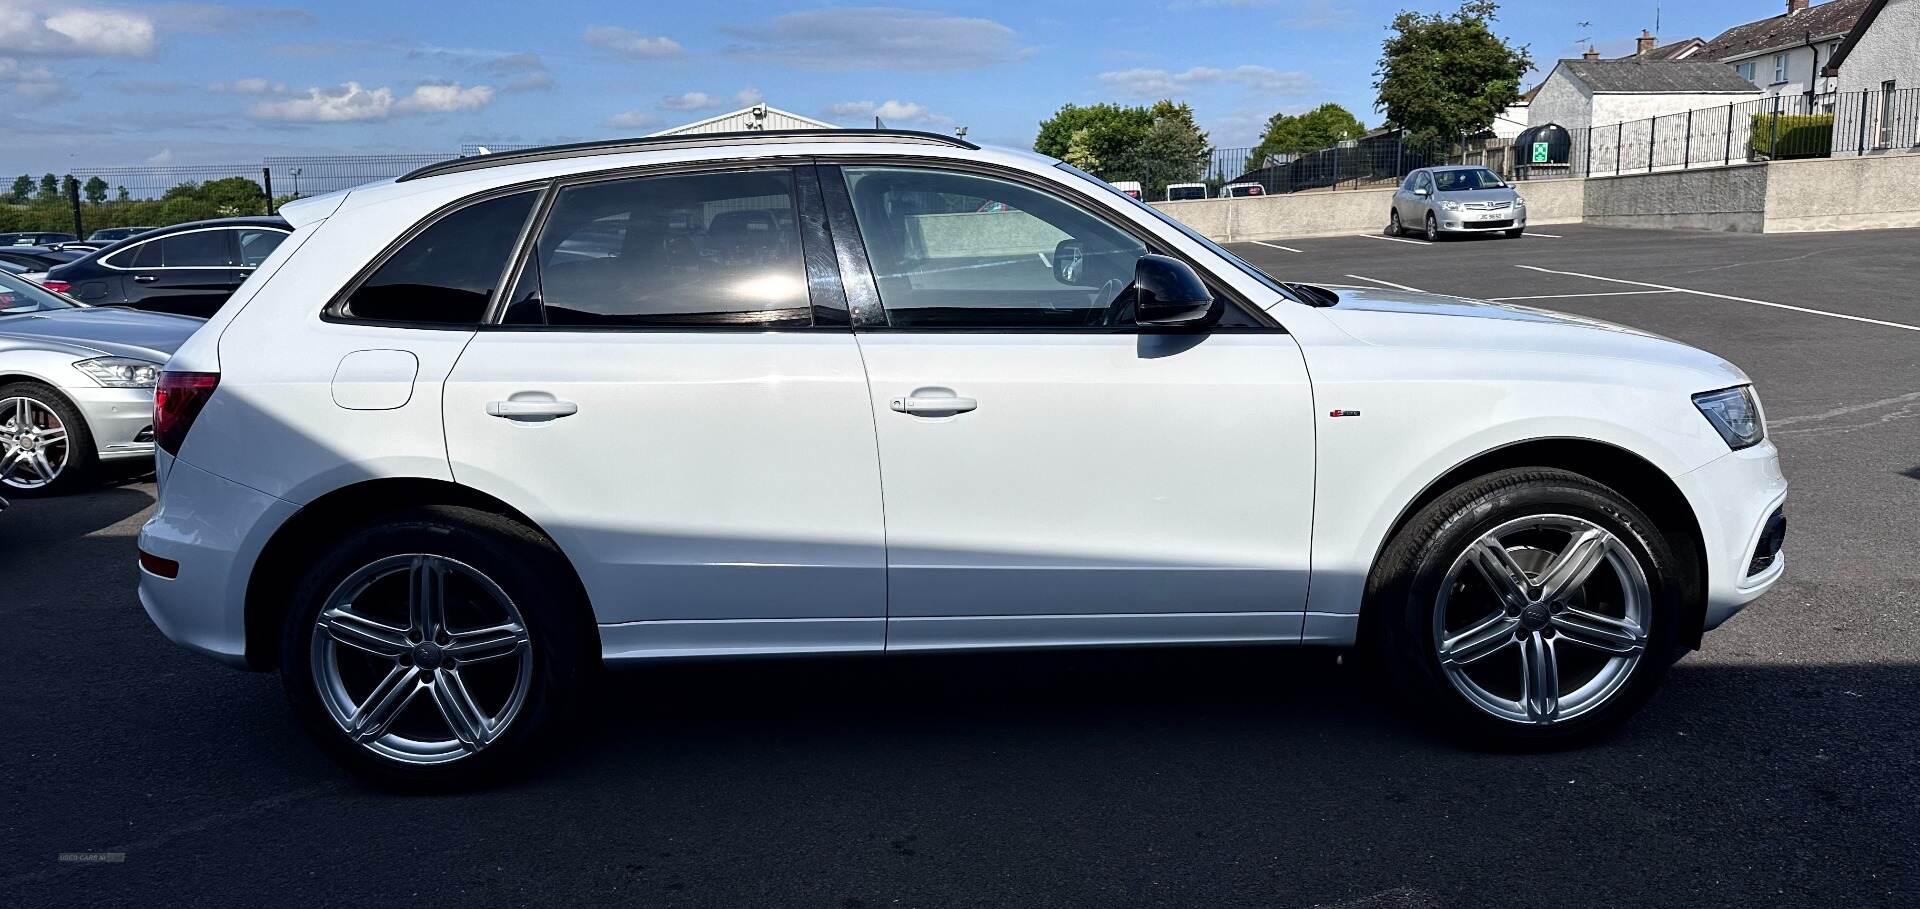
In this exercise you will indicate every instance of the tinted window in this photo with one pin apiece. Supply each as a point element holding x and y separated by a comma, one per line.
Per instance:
<point>256,245</point>
<point>195,249</point>
<point>1453,181</point>
<point>691,249</point>
<point>954,249</point>
<point>446,273</point>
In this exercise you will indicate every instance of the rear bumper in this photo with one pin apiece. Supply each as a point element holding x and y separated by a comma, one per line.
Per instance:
<point>121,420</point>
<point>215,529</point>
<point>1735,497</point>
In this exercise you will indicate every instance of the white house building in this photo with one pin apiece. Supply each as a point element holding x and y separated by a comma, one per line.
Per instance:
<point>757,117</point>
<point>1878,69</point>
<point>1595,92</point>
<point>1787,54</point>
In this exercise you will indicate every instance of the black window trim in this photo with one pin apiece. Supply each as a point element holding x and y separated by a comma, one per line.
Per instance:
<point>1265,323</point>
<point>335,309</point>
<point>819,280</point>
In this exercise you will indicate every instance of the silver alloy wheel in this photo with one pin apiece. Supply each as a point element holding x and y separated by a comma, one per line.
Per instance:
<point>33,444</point>
<point>387,641</point>
<point>1528,626</point>
<point>1433,228</point>
<point>1393,224</point>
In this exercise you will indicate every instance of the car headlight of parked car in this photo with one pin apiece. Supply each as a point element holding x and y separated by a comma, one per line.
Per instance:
<point>120,372</point>
<point>1449,205</point>
<point>1519,202</point>
<point>1735,412</point>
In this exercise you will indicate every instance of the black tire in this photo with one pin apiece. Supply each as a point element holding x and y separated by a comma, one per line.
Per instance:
<point>1433,228</point>
<point>1516,233</point>
<point>1403,590</point>
<point>563,642</point>
<point>83,458</point>
<point>1394,227</point>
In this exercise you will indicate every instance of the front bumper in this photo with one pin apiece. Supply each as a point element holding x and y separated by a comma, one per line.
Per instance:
<point>1469,222</point>
<point>121,419</point>
<point>215,529</point>
<point>1735,497</point>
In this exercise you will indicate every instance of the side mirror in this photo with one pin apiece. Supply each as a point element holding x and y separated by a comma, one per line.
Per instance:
<point>1422,192</point>
<point>1069,262</point>
<point>1168,293</point>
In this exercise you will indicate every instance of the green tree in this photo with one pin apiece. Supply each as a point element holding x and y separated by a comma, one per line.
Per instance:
<point>120,194</point>
<point>1175,150</point>
<point>49,188</point>
<point>95,190</point>
<point>1107,133</point>
<point>1292,134</point>
<point>1444,75</point>
<point>1080,152</point>
<point>22,190</point>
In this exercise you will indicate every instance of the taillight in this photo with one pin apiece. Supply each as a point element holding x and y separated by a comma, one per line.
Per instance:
<point>59,287</point>
<point>177,399</point>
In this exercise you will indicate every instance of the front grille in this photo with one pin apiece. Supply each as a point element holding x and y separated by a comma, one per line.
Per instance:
<point>1772,539</point>
<point>1489,206</point>
<point>1492,224</point>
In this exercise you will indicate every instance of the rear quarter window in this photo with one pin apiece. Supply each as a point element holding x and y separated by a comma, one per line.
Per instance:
<point>447,273</point>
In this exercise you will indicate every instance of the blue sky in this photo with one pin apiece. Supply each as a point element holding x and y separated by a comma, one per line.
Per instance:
<point>91,85</point>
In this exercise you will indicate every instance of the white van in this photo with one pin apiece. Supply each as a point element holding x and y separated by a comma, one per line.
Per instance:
<point>1130,187</point>
<point>1180,192</point>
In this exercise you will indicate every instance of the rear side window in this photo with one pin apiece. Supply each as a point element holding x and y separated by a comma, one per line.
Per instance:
<point>197,249</point>
<point>257,245</point>
<point>446,274</point>
<point>689,249</point>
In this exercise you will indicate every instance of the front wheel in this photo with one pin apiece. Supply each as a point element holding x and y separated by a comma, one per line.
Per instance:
<point>1516,233</point>
<point>45,446</point>
<point>1530,607</point>
<point>1394,228</point>
<point>435,648</point>
<point>1433,228</point>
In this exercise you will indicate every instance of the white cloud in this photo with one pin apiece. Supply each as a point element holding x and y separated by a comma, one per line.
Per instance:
<point>32,82</point>
<point>1159,83</point>
<point>213,17</point>
<point>75,31</point>
<point>249,86</point>
<point>877,38</point>
<point>633,119</point>
<point>688,101</point>
<point>749,96</point>
<point>631,44</point>
<point>354,103</point>
<point>163,156</point>
<point>442,98</point>
<point>890,111</point>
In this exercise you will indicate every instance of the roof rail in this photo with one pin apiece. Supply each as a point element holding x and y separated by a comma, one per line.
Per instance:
<point>696,140</point>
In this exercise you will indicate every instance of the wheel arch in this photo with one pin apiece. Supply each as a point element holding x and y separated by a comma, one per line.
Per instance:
<point>1639,480</point>
<point>274,573</point>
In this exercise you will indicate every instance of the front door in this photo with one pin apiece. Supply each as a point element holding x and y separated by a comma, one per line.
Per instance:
<point>686,415</point>
<point>1052,474</point>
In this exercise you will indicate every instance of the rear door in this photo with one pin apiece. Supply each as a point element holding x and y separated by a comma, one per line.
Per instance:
<point>675,394</point>
<point>1054,474</point>
<point>190,273</point>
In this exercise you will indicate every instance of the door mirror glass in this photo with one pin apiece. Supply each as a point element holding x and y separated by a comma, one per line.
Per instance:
<point>1069,262</point>
<point>1168,292</point>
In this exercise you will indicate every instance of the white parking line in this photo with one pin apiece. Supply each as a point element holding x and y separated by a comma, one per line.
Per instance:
<point>1394,239</point>
<point>1274,245</point>
<point>1613,293</point>
<point>1386,283</point>
<point>1704,293</point>
<point>1548,236</point>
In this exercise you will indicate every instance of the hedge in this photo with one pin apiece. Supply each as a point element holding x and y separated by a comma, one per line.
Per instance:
<point>1801,136</point>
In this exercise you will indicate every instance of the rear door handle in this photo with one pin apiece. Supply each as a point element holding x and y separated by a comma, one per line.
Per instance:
<point>934,401</point>
<point>144,279</point>
<point>532,410</point>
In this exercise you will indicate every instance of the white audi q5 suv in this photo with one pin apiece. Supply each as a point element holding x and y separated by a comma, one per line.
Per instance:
<point>469,435</point>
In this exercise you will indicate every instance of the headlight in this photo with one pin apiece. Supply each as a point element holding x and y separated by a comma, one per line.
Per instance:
<point>1735,412</point>
<point>1519,202</point>
<point>1449,205</point>
<point>120,372</point>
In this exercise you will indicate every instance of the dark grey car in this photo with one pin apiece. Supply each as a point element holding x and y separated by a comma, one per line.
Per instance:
<point>1436,201</point>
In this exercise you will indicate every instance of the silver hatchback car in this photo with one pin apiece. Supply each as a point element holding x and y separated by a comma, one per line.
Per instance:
<point>1437,201</point>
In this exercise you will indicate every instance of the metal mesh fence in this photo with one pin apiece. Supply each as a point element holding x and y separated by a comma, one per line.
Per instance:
<point>296,177</point>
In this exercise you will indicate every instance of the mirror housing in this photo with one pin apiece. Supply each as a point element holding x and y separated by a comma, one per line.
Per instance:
<point>1167,292</point>
<point>1069,262</point>
<point>1421,191</point>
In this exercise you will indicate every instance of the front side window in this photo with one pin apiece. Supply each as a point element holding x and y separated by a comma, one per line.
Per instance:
<point>687,249</point>
<point>256,245</point>
<point>954,249</point>
<point>446,274</point>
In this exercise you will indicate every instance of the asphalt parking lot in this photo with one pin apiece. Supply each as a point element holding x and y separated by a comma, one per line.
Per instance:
<point>1778,766</point>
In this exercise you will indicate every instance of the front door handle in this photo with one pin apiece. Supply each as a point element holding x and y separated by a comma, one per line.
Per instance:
<point>532,410</point>
<point>934,402</point>
<point>144,279</point>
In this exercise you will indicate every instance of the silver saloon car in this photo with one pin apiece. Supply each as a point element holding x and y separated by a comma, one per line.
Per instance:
<point>76,385</point>
<point>1436,201</point>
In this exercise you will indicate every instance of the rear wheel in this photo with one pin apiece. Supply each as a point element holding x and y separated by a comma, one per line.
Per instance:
<point>1530,607</point>
<point>435,648</point>
<point>45,446</point>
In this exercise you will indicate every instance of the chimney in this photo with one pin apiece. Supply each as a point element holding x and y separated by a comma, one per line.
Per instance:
<point>1794,6</point>
<point>1645,43</point>
<point>1591,54</point>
